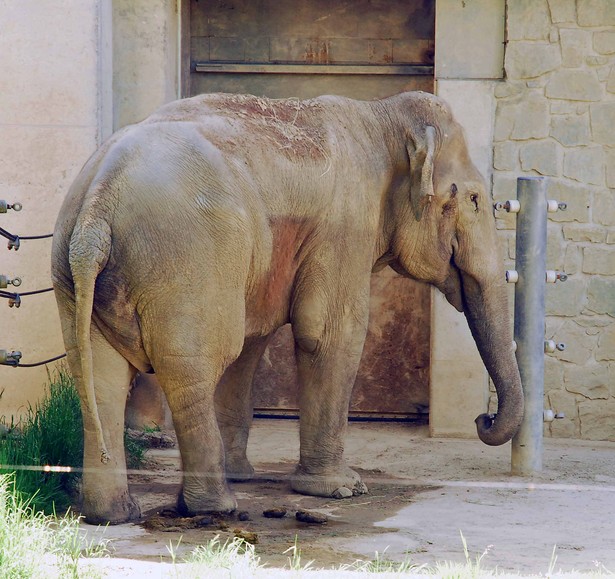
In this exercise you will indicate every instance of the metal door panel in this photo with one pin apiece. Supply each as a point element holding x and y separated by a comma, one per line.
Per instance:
<point>246,47</point>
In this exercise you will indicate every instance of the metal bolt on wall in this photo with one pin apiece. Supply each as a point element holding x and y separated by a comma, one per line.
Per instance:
<point>4,206</point>
<point>12,358</point>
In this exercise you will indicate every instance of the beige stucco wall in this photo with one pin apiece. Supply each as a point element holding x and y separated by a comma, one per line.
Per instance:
<point>73,71</point>
<point>145,57</point>
<point>469,63</point>
<point>50,121</point>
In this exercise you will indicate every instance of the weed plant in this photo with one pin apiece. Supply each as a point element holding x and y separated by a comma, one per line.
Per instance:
<point>135,451</point>
<point>34,545</point>
<point>235,558</point>
<point>49,435</point>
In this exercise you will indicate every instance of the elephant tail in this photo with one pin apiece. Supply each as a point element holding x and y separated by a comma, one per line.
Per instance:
<point>90,245</point>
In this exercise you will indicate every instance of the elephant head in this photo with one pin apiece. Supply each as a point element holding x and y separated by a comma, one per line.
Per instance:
<point>445,234</point>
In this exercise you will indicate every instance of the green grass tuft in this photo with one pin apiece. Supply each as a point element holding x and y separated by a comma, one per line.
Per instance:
<point>50,434</point>
<point>235,557</point>
<point>135,451</point>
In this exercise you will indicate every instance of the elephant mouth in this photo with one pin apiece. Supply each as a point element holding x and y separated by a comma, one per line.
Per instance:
<point>452,288</point>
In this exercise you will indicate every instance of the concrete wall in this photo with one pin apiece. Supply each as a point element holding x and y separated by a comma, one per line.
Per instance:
<point>73,71</point>
<point>556,117</point>
<point>469,62</point>
<point>145,57</point>
<point>51,119</point>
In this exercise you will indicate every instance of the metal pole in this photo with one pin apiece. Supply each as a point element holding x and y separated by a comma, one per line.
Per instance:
<point>529,321</point>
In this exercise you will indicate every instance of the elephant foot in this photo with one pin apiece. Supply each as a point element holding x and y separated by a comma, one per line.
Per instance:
<point>121,510</point>
<point>191,504</point>
<point>341,484</point>
<point>239,469</point>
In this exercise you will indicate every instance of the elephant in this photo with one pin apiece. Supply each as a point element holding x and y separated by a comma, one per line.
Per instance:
<point>189,238</point>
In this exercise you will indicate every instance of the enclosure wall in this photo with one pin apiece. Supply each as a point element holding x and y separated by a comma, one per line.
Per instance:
<point>532,82</point>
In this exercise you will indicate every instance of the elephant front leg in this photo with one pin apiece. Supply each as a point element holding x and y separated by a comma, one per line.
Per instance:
<point>328,356</point>
<point>234,408</point>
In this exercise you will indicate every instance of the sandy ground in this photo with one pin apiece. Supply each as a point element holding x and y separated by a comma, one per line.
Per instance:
<point>424,493</point>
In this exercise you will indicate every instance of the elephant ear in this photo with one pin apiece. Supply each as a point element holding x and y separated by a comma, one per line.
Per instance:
<point>421,156</point>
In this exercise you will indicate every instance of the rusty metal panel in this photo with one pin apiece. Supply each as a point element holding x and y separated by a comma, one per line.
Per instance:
<point>393,376</point>
<point>276,381</point>
<point>412,50</point>
<point>226,49</point>
<point>314,69</point>
<point>322,32</point>
<point>307,86</point>
<point>337,35</point>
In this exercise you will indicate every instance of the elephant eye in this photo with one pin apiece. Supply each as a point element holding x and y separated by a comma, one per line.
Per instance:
<point>474,199</point>
<point>453,190</point>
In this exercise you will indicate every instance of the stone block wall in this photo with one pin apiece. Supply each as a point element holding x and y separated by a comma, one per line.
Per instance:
<point>555,116</point>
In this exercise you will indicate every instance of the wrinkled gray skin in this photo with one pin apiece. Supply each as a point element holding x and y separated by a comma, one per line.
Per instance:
<point>189,238</point>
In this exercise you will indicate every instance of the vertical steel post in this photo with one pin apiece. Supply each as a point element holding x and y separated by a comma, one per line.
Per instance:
<point>529,326</point>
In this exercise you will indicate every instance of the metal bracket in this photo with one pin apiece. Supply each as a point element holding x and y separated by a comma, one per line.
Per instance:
<point>551,346</point>
<point>5,281</point>
<point>551,276</point>
<point>4,206</point>
<point>9,358</point>
<point>549,415</point>
<point>512,276</point>
<point>554,206</point>
<point>511,206</point>
<point>345,69</point>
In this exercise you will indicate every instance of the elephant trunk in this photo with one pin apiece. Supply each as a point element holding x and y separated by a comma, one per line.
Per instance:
<point>486,309</point>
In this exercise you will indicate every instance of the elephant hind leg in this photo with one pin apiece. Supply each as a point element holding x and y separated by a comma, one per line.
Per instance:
<point>106,498</point>
<point>189,384</point>
<point>234,408</point>
<point>190,347</point>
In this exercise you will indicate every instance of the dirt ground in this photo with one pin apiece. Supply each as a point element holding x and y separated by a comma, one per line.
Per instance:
<point>424,492</point>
